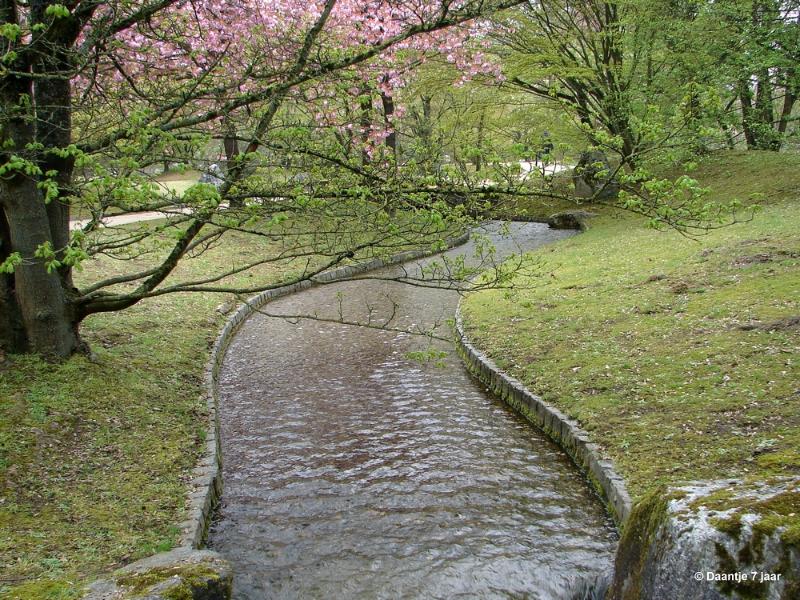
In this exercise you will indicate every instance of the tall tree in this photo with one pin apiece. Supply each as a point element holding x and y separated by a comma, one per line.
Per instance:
<point>578,54</point>
<point>647,73</point>
<point>759,50</point>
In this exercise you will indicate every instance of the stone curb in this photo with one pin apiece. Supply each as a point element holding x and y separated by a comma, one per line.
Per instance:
<point>564,431</point>
<point>206,487</point>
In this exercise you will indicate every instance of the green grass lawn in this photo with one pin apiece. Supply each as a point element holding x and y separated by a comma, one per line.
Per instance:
<point>95,457</point>
<point>680,356</point>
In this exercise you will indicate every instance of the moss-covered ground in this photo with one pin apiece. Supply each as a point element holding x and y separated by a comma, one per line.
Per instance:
<point>95,456</point>
<point>680,356</point>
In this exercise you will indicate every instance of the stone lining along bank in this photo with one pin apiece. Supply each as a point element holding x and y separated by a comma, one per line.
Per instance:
<point>675,543</point>
<point>564,431</point>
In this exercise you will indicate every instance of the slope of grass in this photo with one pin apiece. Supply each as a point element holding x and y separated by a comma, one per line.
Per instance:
<point>680,356</point>
<point>95,456</point>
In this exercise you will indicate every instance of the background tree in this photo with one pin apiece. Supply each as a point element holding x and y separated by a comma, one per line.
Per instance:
<point>578,54</point>
<point>756,46</point>
<point>660,74</point>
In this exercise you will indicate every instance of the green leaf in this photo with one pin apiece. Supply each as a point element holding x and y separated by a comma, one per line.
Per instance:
<point>57,11</point>
<point>45,252</point>
<point>10,31</point>
<point>9,264</point>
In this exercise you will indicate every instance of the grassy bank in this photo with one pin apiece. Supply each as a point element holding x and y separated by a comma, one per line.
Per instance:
<point>681,357</point>
<point>95,456</point>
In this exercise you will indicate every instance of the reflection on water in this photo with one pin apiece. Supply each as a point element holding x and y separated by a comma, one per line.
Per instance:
<point>353,471</point>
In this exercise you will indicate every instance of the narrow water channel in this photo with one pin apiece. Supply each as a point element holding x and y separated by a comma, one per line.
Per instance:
<point>353,470</point>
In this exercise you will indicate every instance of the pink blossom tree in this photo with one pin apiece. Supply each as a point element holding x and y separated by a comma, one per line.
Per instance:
<point>96,93</point>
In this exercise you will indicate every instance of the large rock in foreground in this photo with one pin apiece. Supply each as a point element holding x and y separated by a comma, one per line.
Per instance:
<point>183,574</point>
<point>708,542</point>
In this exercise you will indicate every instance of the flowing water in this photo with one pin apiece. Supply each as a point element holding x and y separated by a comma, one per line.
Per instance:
<point>355,470</point>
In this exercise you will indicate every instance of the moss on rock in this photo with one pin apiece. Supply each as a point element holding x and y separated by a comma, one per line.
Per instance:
<point>638,538</point>
<point>182,574</point>
<point>709,541</point>
<point>182,581</point>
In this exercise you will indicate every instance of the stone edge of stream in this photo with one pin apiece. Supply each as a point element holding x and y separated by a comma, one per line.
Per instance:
<point>564,431</point>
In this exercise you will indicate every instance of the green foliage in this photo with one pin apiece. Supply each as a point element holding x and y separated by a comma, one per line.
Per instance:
<point>10,31</point>
<point>201,196</point>
<point>9,57</point>
<point>46,252</point>
<point>74,254</point>
<point>641,76</point>
<point>57,11</point>
<point>10,263</point>
<point>50,189</point>
<point>71,256</point>
<point>18,164</point>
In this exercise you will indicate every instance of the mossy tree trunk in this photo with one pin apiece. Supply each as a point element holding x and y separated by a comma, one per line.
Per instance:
<point>12,331</point>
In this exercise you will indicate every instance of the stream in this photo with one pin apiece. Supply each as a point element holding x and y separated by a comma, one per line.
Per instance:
<point>353,469</point>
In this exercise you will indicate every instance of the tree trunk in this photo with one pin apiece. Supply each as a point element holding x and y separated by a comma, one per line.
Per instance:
<point>765,113</point>
<point>748,117</point>
<point>730,143</point>
<point>230,143</point>
<point>758,116</point>
<point>365,121</point>
<point>788,104</point>
<point>791,85</point>
<point>430,157</point>
<point>40,315</point>
<point>426,127</point>
<point>40,296</point>
<point>478,158</point>
<point>789,99</point>
<point>53,131</point>
<point>388,114</point>
<point>12,330</point>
